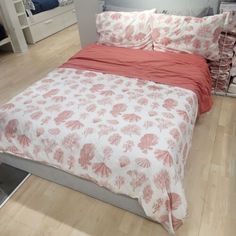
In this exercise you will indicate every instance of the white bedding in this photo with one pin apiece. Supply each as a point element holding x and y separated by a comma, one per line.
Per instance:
<point>127,135</point>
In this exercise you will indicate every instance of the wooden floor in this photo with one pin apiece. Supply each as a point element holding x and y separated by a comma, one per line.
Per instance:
<point>43,208</point>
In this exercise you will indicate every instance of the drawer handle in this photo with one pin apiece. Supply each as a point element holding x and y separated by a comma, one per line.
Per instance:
<point>48,22</point>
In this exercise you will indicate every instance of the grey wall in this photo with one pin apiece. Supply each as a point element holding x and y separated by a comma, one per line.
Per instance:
<point>184,7</point>
<point>86,11</point>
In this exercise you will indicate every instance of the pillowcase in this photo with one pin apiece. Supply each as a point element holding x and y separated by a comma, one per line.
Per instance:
<point>125,29</point>
<point>188,34</point>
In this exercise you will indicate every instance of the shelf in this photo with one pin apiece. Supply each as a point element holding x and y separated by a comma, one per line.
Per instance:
<point>23,21</point>
<point>19,6</point>
<point>5,41</point>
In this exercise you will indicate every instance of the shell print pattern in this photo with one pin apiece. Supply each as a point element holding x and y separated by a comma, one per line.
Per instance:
<point>128,135</point>
<point>86,155</point>
<point>102,170</point>
<point>62,117</point>
<point>11,129</point>
<point>188,34</point>
<point>126,29</point>
<point>147,142</point>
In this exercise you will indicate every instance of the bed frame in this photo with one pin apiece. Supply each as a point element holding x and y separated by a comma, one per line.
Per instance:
<point>71,181</point>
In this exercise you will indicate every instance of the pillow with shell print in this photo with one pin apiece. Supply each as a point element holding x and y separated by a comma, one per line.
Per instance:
<point>125,29</point>
<point>188,34</point>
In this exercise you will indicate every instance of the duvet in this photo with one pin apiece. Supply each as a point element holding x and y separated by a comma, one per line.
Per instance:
<point>129,135</point>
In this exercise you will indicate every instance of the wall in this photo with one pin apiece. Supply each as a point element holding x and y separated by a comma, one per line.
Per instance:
<point>86,11</point>
<point>184,7</point>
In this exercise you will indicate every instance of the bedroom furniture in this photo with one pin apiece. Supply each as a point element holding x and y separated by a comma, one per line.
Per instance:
<point>96,161</point>
<point>21,13</point>
<point>96,218</point>
<point>49,22</point>
<point>13,26</point>
<point>146,141</point>
<point>34,28</point>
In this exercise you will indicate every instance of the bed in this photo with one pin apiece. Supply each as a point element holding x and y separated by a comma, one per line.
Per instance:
<point>120,135</point>
<point>47,18</point>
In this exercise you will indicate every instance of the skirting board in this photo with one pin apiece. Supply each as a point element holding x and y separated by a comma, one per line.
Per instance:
<point>74,182</point>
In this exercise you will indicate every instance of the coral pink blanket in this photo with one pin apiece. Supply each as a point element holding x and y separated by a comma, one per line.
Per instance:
<point>182,70</point>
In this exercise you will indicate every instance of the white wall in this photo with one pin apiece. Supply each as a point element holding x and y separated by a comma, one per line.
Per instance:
<point>193,7</point>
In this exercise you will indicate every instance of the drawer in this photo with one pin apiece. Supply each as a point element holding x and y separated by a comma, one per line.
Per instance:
<point>69,18</point>
<point>46,28</point>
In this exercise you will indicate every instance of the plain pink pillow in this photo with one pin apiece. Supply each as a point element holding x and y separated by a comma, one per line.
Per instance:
<point>188,34</point>
<point>125,29</point>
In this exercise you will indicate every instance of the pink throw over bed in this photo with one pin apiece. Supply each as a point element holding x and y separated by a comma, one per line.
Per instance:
<point>182,70</point>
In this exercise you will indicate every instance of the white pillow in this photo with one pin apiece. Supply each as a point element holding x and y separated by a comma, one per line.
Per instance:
<point>188,34</point>
<point>125,29</point>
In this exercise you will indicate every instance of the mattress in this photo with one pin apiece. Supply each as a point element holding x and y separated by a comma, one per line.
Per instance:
<point>123,133</point>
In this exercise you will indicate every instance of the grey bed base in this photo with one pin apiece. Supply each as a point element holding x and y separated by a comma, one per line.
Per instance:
<point>74,182</point>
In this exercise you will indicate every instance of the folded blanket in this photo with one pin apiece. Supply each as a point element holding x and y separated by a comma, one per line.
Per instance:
<point>181,70</point>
